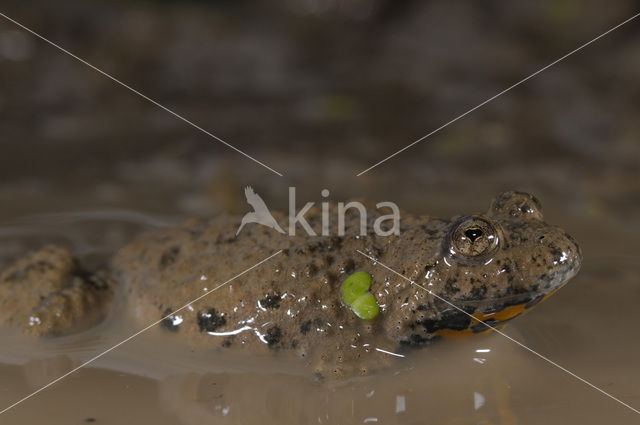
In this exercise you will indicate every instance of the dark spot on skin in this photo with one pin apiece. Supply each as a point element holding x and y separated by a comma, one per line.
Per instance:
<point>169,256</point>
<point>90,420</point>
<point>450,319</point>
<point>210,320</point>
<point>313,248</point>
<point>273,335</point>
<point>534,301</point>
<point>294,343</point>
<point>305,327</point>
<point>418,339</point>
<point>482,326</point>
<point>478,292</point>
<point>556,252</point>
<point>270,301</point>
<point>329,278</point>
<point>515,290</point>
<point>98,281</point>
<point>226,343</point>
<point>347,266</point>
<point>310,270</point>
<point>168,322</point>
<point>423,307</point>
<point>451,286</point>
<point>336,242</point>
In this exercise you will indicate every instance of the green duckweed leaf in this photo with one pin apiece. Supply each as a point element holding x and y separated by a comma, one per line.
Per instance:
<point>354,286</point>
<point>365,306</point>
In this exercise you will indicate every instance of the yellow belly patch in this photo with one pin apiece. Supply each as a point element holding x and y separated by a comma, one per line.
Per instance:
<point>499,316</point>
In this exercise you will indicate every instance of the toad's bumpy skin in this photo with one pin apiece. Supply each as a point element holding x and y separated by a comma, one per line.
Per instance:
<point>495,266</point>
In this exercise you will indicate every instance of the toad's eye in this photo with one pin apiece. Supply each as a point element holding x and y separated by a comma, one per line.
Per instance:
<point>473,237</point>
<point>473,233</point>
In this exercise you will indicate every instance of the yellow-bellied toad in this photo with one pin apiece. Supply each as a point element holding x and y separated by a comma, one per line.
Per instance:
<point>494,266</point>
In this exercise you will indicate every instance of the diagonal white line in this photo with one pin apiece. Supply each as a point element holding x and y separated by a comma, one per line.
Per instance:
<point>91,360</point>
<point>175,114</point>
<point>499,94</point>
<point>501,333</point>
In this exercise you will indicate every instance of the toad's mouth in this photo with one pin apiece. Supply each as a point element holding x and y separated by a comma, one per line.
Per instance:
<point>481,316</point>
<point>527,299</point>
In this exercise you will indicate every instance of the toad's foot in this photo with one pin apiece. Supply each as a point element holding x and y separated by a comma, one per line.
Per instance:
<point>45,292</point>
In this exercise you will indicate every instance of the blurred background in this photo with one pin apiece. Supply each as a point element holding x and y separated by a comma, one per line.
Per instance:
<point>320,90</point>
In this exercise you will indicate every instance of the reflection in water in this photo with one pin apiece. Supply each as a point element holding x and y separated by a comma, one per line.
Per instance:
<point>212,388</point>
<point>420,390</point>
